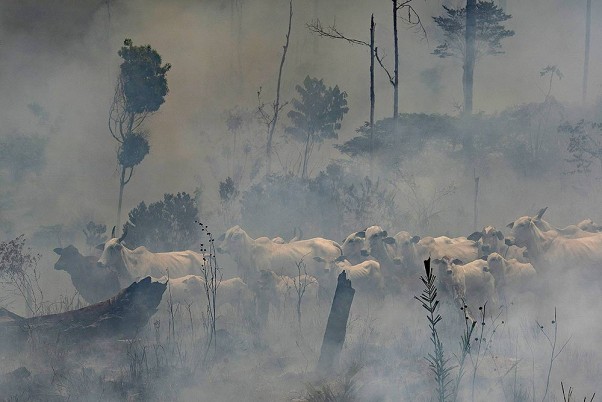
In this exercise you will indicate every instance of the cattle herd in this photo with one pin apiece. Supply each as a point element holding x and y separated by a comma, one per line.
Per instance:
<point>485,267</point>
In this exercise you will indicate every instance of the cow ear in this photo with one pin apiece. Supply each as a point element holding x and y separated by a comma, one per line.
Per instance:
<point>389,240</point>
<point>415,239</point>
<point>437,261</point>
<point>486,269</point>
<point>457,261</point>
<point>508,242</point>
<point>58,250</point>
<point>499,235</point>
<point>319,259</point>
<point>361,235</point>
<point>340,258</point>
<point>475,236</point>
<point>540,213</point>
<point>100,247</point>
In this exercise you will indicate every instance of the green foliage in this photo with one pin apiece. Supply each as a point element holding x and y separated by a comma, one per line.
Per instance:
<point>438,363</point>
<point>167,225</point>
<point>317,114</point>
<point>393,141</point>
<point>133,150</point>
<point>490,30</point>
<point>22,154</point>
<point>143,78</point>
<point>227,190</point>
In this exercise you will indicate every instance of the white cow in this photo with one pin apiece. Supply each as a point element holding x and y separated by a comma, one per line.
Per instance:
<point>511,276</point>
<point>366,276</point>
<point>585,228</point>
<point>549,249</point>
<point>491,240</point>
<point>191,289</point>
<point>253,255</point>
<point>140,262</point>
<point>467,284</point>
<point>282,290</point>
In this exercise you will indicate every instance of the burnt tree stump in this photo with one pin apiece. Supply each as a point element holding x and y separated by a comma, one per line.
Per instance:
<point>336,328</point>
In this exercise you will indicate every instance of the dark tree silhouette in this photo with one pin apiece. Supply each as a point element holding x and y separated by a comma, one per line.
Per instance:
<point>140,91</point>
<point>167,225</point>
<point>457,41</point>
<point>317,115</point>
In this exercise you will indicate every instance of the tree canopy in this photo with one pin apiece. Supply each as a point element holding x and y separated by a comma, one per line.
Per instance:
<point>489,34</point>
<point>317,114</point>
<point>167,225</point>
<point>143,78</point>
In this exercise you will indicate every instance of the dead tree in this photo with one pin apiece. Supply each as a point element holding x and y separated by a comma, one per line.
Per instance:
<point>336,328</point>
<point>270,119</point>
<point>588,24</point>
<point>413,19</point>
<point>333,33</point>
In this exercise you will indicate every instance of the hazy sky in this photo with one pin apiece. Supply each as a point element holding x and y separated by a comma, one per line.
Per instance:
<point>63,55</point>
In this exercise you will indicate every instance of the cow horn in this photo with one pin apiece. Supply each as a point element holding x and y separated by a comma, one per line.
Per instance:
<point>540,213</point>
<point>113,232</point>
<point>125,232</point>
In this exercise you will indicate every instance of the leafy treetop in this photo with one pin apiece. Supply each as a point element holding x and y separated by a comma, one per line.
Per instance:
<point>490,30</point>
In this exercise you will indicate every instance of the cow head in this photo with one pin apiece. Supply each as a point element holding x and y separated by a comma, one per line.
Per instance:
<point>70,259</point>
<point>232,241</point>
<point>375,236</point>
<point>112,249</point>
<point>523,231</point>
<point>354,244</point>
<point>496,267</point>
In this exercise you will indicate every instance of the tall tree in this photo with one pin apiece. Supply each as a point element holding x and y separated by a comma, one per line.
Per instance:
<point>411,17</point>
<point>458,33</point>
<point>333,33</point>
<point>270,119</point>
<point>588,23</point>
<point>470,54</point>
<point>317,115</point>
<point>140,91</point>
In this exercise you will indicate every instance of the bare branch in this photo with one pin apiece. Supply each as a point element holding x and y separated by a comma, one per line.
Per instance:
<point>332,32</point>
<point>380,61</point>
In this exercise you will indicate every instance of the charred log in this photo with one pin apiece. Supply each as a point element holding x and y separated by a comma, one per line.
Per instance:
<point>118,317</point>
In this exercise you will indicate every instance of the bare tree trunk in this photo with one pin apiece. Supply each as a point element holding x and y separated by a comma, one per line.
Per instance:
<point>396,71</point>
<point>336,328</point>
<point>469,57</point>
<point>476,197</point>
<point>306,155</point>
<point>588,23</point>
<point>372,97</point>
<point>122,184</point>
<point>277,101</point>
